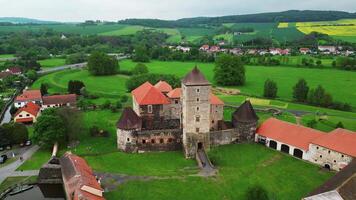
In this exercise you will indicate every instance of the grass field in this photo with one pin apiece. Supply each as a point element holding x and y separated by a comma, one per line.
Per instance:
<point>286,78</point>
<point>12,181</point>
<point>37,160</point>
<point>240,166</point>
<point>7,55</point>
<point>52,62</point>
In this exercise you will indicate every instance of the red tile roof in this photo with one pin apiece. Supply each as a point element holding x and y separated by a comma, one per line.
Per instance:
<point>15,70</point>
<point>288,133</point>
<point>340,140</point>
<point>30,95</point>
<point>214,100</point>
<point>24,120</point>
<point>60,99</point>
<point>163,86</point>
<point>175,94</point>
<point>79,179</point>
<point>146,94</point>
<point>31,108</point>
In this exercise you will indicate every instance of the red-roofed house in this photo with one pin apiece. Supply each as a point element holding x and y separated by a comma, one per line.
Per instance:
<point>14,70</point>
<point>79,180</point>
<point>150,103</point>
<point>28,113</point>
<point>304,51</point>
<point>33,96</point>
<point>163,86</point>
<point>287,137</point>
<point>216,111</point>
<point>55,101</point>
<point>334,150</point>
<point>204,48</point>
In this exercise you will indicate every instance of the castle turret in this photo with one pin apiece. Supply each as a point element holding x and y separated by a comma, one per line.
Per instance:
<point>195,112</point>
<point>127,125</point>
<point>244,119</point>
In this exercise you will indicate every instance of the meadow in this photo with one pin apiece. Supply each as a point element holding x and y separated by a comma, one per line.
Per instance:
<point>52,62</point>
<point>239,166</point>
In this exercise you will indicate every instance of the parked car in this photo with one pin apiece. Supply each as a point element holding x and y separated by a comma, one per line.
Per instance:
<point>3,159</point>
<point>8,147</point>
<point>2,148</point>
<point>28,143</point>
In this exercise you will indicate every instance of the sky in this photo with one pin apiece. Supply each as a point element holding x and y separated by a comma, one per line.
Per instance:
<point>113,10</point>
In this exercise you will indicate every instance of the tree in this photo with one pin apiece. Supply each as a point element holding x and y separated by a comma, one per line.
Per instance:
<point>319,97</point>
<point>19,133</point>
<point>140,69</point>
<point>141,54</point>
<point>72,119</point>
<point>49,129</point>
<point>257,192</point>
<point>340,125</point>
<point>32,75</point>
<point>101,64</point>
<point>76,58</point>
<point>124,99</point>
<point>44,89</point>
<point>270,89</point>
<point>74,87</point>
<point>229,71</point>
<point>300,91</point>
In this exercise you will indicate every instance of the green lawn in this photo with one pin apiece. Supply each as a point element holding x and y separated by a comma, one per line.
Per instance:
<point>340,86</point>
<point>52,62</point>
<point>240,166</point>
<point>37,160</point>
<point>7,55</point>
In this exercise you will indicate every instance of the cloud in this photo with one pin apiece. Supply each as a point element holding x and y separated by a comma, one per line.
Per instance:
<point>79,10</point>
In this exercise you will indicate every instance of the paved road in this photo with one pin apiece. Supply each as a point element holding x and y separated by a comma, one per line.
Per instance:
<point>9,170</point>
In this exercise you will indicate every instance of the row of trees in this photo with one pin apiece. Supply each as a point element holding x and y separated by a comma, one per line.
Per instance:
<point>303,94</point>
<point>13,133</point>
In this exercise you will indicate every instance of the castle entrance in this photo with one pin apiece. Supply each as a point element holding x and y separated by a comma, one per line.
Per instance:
<point>200,145</point>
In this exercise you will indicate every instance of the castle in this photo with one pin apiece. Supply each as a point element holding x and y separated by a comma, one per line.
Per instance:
<point>190,117</point>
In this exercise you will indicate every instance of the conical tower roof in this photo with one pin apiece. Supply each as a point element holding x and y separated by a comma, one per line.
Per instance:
<point>129,120</point>
<point>195,77</point>
<point>245,113</point>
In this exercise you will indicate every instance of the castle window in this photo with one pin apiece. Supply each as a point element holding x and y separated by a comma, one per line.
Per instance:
<point>198,99</point>
<point>20,115</point>
<point>334,161</point>
<point>170,140</point>
<point>143,141</point>
<point>317,147</point>
<point>128,139</point>
<point>27,115</point>
<point>149,108</point>
<point>176,101</point>
<point>161,141</point>
<point>197,130</point>
<point>153,141</point>
<point>212,121</point>
<point>329,152</point>
<point>321,156</point>
<point>198,90</point>
<point>197,118</point>
<point>316,160</point>
<point>197,108</point>
<point>342,156</point>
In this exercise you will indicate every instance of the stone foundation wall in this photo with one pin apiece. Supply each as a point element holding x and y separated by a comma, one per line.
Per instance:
<point>224,137</point>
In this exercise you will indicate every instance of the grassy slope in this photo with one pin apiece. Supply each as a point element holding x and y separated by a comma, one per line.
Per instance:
<point>37,160</point>
<point>6,55</point>
<point>52,62</point>
<point>239,167</point>
<point>11,181</point>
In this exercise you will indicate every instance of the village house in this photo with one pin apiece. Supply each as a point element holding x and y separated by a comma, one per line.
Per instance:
<point>27,96</point>
<point>304,51</point>
<point>278,51</point>
<point>327,49</point>
<point>27,113</point>
<point>55,101</point>
<point>14,70</point>
<point>79,180</point>
<point>204,48</point>
<point>333,150</point>
<point>190,117</point>
<point>183,49</point>
<point>214,49</point>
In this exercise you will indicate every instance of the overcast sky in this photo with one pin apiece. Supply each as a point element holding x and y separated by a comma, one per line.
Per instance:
<point>80,10</point>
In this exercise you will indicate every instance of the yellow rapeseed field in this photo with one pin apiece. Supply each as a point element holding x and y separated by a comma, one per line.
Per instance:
<point>283,25</point>
<point>344,27</point>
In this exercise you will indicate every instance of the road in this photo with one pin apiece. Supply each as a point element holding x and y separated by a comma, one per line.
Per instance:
<point>10,170</point>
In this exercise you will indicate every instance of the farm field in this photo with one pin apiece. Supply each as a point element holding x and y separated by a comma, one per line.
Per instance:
<point>52,62</point>
<point>239,166</point>
<point>344,29</point>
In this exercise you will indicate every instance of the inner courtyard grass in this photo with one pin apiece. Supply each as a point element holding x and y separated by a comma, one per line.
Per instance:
<point>240,166</point>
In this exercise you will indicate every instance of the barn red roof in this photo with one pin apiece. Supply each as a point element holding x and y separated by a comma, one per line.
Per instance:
<point>24,120</point>
<point>340,140</point>
<point>147,94</point>
<point>30,95</point>
<point>163,86</point>
<point>175,94</point>
<point>31,108</point>
<point>60,99</point>
<point>288,133</point>
<point>79,180</point>
<point>214,100</point>
<point>15,70</point>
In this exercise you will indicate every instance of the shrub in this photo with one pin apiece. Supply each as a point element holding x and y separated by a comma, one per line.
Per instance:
<point>270,89</point>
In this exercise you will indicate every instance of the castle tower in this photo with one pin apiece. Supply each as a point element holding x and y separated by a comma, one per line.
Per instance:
<point>245,120</point>
<point>195,112</point>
